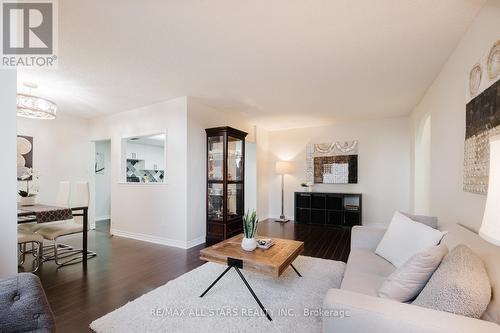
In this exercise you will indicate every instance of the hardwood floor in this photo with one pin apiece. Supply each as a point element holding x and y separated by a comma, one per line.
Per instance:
<point>126,269</point>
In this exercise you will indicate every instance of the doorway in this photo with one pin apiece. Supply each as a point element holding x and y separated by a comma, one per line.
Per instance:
<point>102,188</point>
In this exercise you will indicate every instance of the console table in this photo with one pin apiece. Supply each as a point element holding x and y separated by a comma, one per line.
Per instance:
<point>326,208</point>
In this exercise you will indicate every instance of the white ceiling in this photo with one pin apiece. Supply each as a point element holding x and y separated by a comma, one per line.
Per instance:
<point>284,63</point>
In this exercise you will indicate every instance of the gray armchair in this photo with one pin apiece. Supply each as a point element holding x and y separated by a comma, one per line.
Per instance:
<point>24,306</point>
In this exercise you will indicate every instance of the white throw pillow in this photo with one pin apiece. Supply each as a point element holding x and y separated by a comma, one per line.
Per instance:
<point>405,238</point>
<point>406,282</point>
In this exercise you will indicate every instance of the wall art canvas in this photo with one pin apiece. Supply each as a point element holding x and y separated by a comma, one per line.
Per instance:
<point>24,156</point>
<point>99,164</point>
<point>332,163</point>
<point>482,120</point>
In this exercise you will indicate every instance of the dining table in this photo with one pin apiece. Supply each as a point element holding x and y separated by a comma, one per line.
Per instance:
<point>27,214</point>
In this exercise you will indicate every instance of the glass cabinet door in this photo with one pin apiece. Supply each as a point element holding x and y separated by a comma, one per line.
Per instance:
<point>234,159</point>
<point>215,202</point>
<point>216,157</point>
<point>234,200</point>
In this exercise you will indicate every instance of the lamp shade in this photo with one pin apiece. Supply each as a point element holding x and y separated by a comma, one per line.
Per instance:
<point>284,167</point>
<point>490,228</point>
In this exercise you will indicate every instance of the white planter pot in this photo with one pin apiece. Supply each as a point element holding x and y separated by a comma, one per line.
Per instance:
<point>27,201</point>
<point>248,244</point>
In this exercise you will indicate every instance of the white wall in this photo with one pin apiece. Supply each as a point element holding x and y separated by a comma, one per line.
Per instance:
<point>61,152</point>
<point>103,182</point>
<point>445,101</point>
<point>155,212</point>
<point>250,176</point>
<point>422,166</point>
<point>383,166</point>
<point>262,172</point>
<point>8,219</point>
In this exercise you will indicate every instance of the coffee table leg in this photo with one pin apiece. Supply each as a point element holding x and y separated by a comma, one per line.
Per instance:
<point>295,269</point>
<point>253,294</point>
<point>216,280</point>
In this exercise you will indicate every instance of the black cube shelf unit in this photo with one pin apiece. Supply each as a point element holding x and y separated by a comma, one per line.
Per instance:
<point>329,209</point>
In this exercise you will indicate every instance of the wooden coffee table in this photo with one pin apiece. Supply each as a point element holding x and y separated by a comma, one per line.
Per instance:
<point>273,261</point>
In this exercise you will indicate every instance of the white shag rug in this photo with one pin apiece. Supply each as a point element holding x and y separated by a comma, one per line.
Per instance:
<point>292,301</point>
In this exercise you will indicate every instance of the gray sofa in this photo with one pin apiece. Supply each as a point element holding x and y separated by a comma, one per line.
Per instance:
<point>24,306</point>
<point>365,272</point>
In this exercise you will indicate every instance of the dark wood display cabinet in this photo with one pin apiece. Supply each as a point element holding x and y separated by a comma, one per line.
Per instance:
<point>225,183</point>
<point>329,209</point>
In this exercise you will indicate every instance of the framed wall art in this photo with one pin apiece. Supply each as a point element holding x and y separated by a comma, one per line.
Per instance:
<point>332,163</point>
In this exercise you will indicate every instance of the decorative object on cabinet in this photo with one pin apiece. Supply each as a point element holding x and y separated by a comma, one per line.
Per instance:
<point>329,209</point>
<point>225,182</point>
<point>283,168</point>
<point>308,186</point>
<point>490,227</point>
<point>332,163</point>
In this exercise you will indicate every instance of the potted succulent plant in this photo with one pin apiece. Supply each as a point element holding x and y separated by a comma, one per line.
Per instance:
<point>28,196</point>
<point>250,221</point>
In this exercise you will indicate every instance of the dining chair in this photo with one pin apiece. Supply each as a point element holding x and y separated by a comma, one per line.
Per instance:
<point>28,237</point>
<point>82,196</point>
<point>53,232</point>
<point>64,194</point>
<point>62,200</point>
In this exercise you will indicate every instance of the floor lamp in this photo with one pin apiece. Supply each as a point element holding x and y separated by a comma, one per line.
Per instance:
<point>283,168</point>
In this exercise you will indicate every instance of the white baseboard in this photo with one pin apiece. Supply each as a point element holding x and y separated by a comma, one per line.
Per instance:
<point>195,242</point>
<point>158,240</point>
<point>102,218</point>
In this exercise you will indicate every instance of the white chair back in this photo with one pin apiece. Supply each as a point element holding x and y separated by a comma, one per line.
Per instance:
<point>63,195</point>
<point>82,195</point>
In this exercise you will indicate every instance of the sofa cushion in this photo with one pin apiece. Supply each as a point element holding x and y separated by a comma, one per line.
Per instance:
<point>460,285</point>
<point>365,272</point>
<point>405,238</point>
<point>406,282</point>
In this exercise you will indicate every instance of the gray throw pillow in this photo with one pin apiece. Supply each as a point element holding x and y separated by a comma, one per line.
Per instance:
<point>460,285</point>
<point>431,221</point>
<point>406,282</point>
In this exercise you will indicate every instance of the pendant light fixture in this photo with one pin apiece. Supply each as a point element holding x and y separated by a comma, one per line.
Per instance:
<point>30,106</point>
